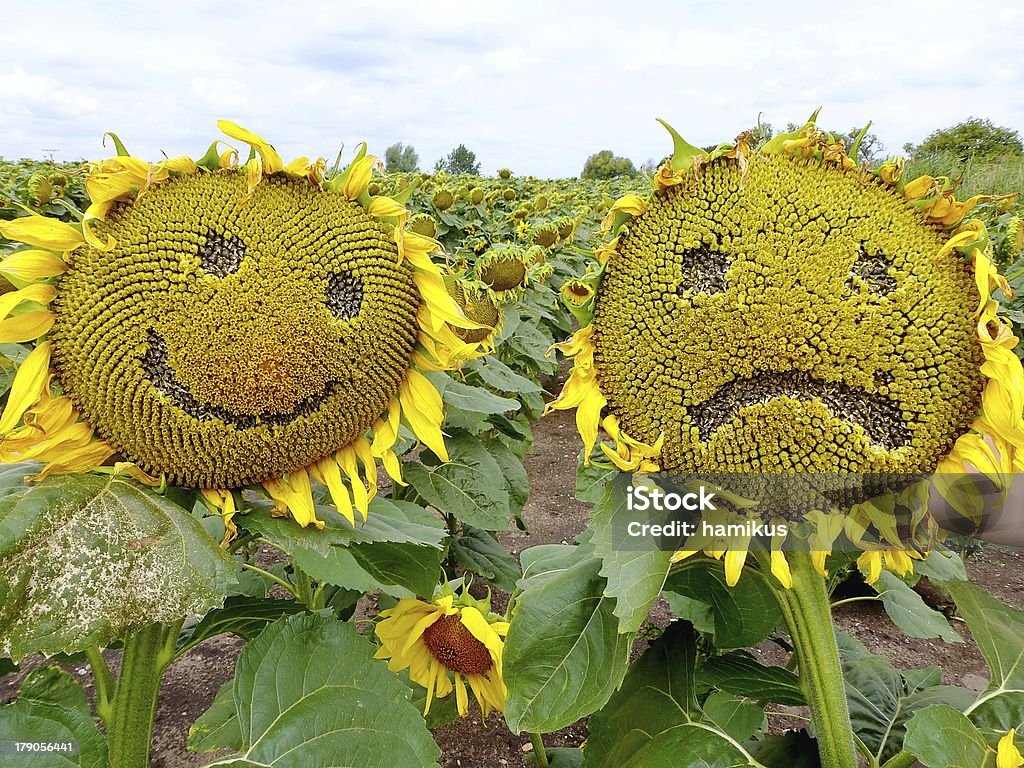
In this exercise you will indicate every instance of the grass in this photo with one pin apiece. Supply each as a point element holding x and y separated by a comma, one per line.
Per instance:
<point>993,177</point>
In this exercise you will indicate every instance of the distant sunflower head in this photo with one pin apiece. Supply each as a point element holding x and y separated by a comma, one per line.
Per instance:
<point>504,173</point>
<point>503,268</point>
<point>476,196</point>
<point>219,325</point>
<point>781,309</point>
<point>545,235</point>
<point>478,304</point>
<point>442,199</point>
<point>446,644</point>
<point>423,224</point>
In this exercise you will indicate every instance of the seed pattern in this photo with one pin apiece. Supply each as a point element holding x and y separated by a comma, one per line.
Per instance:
<point>792,318</point>
<point>451,643</point>
<point>221,255</point>
<point>344,295</point>
<point>223,380</point>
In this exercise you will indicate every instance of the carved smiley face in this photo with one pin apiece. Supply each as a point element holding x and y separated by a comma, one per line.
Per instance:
<point>795,319</point>
<point>230,337</point>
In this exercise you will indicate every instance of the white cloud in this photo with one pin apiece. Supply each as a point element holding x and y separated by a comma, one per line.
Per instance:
<point>533,86</point>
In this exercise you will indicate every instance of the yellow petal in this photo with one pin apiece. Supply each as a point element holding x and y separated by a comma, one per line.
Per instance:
<point>1007,754</point>
<point>386,208</point>
<point>40,293</point>
<point>28,386</point>
<point>272,162</point>
<point>422,408</point>
<point>26,327</point>
<point>328,472</point>
<point>358,179</point>
<point>42,231</point>
<point>33,265</point>
<point>295,496</point>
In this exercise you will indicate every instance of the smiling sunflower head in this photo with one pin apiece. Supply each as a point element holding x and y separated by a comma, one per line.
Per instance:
<point>220,324</point>
<point>783,309</point>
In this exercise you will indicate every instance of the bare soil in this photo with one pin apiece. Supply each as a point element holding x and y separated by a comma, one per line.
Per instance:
<point>555,516</point>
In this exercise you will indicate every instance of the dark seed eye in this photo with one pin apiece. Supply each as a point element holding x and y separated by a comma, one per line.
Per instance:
<point>221,255</point>
<point>873,269</point>
<point>344,295</point>
<point>703,270</point>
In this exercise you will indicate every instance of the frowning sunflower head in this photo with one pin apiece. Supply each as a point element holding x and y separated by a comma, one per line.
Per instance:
<point>220,324</point>
<point>782,309</point>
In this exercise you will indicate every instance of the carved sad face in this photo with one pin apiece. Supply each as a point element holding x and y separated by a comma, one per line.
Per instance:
<point>226,337</point>
<point>794,320</point>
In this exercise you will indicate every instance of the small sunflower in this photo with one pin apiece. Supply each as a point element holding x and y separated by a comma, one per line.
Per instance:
<point>450,634</point>
<point>783,309</point>
<point>217,324</point>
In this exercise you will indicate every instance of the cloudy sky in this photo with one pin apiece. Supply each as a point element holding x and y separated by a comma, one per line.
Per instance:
<point>533,86</point>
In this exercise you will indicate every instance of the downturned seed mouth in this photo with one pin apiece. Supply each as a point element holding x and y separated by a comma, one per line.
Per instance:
<point>163,378</point>
<point>880,417</point>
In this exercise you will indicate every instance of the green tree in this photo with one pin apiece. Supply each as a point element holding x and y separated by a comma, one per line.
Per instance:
<point>401,159</point>
<point>975,138</point>
<point>459,160</point>
<point>606,165</point>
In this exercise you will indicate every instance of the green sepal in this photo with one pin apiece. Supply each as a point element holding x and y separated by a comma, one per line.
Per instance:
<point>118,145</point>
<point>682,151</point>
<point>337,183</point>
<point>403,196</point>
<point>584,313</point>
<point>775,145</point>
<point>855,147</point>
<point>211,160</point>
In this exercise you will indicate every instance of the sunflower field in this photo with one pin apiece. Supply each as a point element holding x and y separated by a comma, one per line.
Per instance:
<point>290,402</point>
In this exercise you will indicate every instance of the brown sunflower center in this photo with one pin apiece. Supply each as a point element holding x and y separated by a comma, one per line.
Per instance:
<point>451,643</point>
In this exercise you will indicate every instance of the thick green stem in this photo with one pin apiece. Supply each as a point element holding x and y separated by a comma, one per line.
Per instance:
<point>538,750</point>
<point>146,655</point>
<point>806,609</point>
<point>104,684</point>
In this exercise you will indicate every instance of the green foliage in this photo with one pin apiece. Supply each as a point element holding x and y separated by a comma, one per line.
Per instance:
<point>459,160</point>
<point>83,558</point>
<point>399,158</point>
<point>975,138</point>
<point>606,165</point>
<point>333,704</point>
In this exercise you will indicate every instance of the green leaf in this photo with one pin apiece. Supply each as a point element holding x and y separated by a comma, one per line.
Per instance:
<point>942,737</point>
<point>517,483</point>
<point>52,685</point>
<point>998,629</point>
<point>941,566</point>
<point>740,673</point>
<point>28,720</point>
<point>694,611</point>
<point>564,655</point>
<point>465,486</point>
<point>744,614</point>
<point>308,692</point>
<point>655,719</point>
<point>564,757</point>
<point>243,616</point>
<point>793,749</point>
<point>84,557</point>
<point>466,397</point>
<point>478,551</point>
<point>881,701</point>
<point>909,612</point>
<point>736,717</point>
<point>402,570</point>
<point>634,568</point>
<point>218,727</point>
<point>400,522</point>
<point>591,481</point>
<point>496,374</point>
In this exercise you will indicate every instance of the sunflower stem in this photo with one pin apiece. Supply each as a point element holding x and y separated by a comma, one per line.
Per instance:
<point>104,684</point>
<point>805,607</point>
<point>538,750</point>
<point>272,577</point>
<point>303,588</point>
<point>147,653</point>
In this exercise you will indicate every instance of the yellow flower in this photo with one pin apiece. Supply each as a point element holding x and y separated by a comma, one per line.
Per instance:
<point>433,639</point>
<point>222,325</point>
<point>778,310</point>
<point>1007,754</point>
